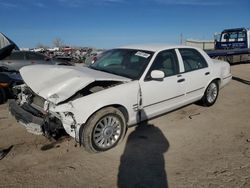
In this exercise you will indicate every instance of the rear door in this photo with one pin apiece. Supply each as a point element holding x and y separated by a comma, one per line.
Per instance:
<point>159,96</point>
<point>196,73</point>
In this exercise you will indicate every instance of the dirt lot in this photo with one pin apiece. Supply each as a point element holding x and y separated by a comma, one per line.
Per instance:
<point>191,147</point>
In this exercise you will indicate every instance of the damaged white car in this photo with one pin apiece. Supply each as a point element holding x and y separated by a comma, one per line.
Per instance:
<point>125,86</point>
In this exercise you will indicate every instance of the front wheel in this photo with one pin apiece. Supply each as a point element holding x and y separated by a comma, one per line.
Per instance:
<point>104,130</point>
<point>211,94</point>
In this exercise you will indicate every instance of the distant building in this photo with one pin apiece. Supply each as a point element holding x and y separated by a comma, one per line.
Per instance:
<point>203,44</point>
<point>24,49</point>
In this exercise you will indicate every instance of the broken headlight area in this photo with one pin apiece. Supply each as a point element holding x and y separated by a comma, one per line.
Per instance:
<point>32,111</point>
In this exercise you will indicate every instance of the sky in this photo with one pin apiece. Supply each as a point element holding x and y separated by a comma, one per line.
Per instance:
<point>113,23</point>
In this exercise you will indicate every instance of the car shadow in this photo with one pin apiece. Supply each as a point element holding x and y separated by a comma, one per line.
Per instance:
<point>247,82</point>
<point>142,164</point>
<point>240,63</point>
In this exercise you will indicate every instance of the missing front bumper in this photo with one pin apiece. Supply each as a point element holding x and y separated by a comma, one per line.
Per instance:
<point>32,123</point>
<point>35,121</point>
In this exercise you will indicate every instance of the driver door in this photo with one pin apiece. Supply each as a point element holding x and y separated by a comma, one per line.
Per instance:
<point>160,96</point>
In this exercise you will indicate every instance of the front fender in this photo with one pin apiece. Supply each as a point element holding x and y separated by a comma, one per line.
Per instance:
<point>82,108</point>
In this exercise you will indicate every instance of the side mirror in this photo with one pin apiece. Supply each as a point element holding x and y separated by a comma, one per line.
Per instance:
<point>157,75</point>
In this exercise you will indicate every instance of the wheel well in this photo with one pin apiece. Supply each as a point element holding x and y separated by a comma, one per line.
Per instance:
<point>120,107</point>
<point>123,110</point>
<point>218,80</point>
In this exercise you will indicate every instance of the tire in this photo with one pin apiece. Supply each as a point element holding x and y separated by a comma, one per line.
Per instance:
<point>211,94</point>
<point>2,96</point>
<point>104,130</point>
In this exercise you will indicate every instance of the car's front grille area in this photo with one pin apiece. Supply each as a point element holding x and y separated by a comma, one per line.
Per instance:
<point>38,102</point>
<point>35,101</point>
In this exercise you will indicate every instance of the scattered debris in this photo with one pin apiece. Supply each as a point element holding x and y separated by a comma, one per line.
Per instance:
<point>220,172</point>
<point>71,167</point>
<point>190,117</point>
<point>55,144</point>
<point>73,54</point>
<point>50,146</point>
<point>4,152</point>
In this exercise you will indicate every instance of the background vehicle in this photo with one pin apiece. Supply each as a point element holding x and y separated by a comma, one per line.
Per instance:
<point>5,41</point>
<point>125,86</point>
<point>238,38</point>
<point>232,45</point>
<point>8,79</point>
<point>18,59</point>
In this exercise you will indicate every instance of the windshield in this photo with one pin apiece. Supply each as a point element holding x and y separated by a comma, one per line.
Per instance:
<point>123,62</point>
<point>233,36</point>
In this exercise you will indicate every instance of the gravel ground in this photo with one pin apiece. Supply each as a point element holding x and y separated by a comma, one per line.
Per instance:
<point>194,146</point>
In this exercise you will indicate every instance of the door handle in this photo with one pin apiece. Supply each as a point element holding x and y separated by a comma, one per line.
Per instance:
<point>207,73</point>
<point>181,80</point>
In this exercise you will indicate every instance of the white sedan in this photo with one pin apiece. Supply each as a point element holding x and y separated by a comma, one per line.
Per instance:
<point>125,86</point>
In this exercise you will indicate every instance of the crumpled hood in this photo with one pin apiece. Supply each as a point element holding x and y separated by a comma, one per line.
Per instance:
<point>58,83</point>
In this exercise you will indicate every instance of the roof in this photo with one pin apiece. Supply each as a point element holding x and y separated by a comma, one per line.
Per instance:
<point>234,30</point>
<point>154,47</point>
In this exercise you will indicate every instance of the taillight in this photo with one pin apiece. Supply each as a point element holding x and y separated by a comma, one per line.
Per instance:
<point>2,84</point>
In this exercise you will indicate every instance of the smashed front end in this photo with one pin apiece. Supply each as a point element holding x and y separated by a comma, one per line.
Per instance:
<point>57,100</point>
<point>32,111</point>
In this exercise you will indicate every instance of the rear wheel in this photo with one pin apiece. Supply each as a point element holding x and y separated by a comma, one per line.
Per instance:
<point>104,130</point>
<point>211,94</point>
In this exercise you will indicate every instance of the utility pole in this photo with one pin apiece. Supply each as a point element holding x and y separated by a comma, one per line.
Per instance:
<point>181,39</point>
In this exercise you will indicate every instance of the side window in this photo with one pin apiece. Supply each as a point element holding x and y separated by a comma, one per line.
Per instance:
<point>192,59</point>
<point>167,62</point>
<point>35,56</point>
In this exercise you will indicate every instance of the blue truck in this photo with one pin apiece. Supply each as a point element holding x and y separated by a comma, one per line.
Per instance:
<point>232,45</point>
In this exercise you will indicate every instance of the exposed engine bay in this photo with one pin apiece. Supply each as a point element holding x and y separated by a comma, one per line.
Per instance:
<point>93,88</point>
